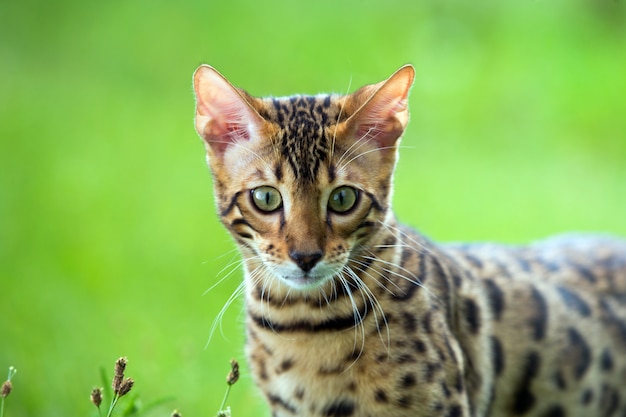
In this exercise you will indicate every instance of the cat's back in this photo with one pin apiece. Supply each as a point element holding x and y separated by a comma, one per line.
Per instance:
<point>593,263</point>
<point>557,310</point>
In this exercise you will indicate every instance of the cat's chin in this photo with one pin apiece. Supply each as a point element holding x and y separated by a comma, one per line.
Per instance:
<point>304,282</point>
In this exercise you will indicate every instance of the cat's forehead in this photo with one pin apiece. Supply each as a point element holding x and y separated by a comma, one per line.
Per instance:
<point>303,137</point>
<point>293,111</point>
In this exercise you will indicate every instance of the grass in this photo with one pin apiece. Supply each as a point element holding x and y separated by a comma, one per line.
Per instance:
<point>6,388</point>
<point>108,233</point>
<point>120,387</point>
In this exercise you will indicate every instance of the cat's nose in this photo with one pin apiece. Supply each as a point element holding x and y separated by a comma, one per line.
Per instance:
<point>306,261</point>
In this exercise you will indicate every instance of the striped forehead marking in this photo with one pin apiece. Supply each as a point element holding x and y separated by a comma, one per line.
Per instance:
<point>302,139</point>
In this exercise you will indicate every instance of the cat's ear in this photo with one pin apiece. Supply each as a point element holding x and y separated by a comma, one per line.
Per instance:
<point>382,110</point>
<point>223,115</point>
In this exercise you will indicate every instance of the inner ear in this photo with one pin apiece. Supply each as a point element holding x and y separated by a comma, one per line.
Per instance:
<point>382,109</point>
<point>224,114</point>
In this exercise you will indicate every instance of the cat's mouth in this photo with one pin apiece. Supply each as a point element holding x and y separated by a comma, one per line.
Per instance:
<point>313,279</point>
<point>304,281</point>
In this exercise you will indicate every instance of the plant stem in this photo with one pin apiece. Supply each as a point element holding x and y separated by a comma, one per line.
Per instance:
<point>112,406</point>
<point>12,372</point>
<point>223,401</point>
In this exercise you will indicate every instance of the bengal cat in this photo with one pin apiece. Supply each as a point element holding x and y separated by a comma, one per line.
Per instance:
<point>350,313</point>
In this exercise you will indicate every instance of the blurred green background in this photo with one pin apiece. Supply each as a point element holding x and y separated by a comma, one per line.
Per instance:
<point>108,233</point>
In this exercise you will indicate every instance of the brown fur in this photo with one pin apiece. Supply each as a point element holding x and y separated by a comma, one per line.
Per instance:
<point>351,314</point>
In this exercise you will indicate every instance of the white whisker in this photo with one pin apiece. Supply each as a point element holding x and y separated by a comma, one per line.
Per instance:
<point>218,319</point>
<point>343,104</point>
<point>373,301</point>
<point>365,153</point>
<point>358,317</point>
<point>234,266</point>
<point>247,149</point>
<point>366,269</point>
<point>348,153</point>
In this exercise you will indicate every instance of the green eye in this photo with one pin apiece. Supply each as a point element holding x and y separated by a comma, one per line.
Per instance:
<point>342,199</point>
<point>266,198</point>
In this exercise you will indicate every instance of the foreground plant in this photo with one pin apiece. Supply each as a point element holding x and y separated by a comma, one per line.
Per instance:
<point>231,378</point>
<point>7,386</point>
<point>121,386</point>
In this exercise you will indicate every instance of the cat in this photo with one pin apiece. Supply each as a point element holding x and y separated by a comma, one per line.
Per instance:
<point>350,313</point>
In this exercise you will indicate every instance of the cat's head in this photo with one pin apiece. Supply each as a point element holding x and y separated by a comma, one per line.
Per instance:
<point>302,182</point>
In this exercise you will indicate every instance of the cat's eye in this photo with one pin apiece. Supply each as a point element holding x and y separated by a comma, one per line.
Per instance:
<point>342,199</point>
<point>267,198</point>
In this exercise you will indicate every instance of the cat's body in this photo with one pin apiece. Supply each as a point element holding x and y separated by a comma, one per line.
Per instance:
<point>351,314</point>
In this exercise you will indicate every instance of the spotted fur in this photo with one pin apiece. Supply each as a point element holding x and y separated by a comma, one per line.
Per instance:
<point>350,313</point>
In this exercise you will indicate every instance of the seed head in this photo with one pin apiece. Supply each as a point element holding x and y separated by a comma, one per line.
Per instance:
<point>233,375</point>
<point>176,414</point>
<point>118,378</point>
<point>6,389</point>
<point>126,386</point>
<point>7,386</point>
<point>96,396</point>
